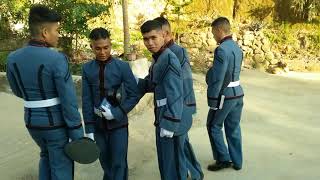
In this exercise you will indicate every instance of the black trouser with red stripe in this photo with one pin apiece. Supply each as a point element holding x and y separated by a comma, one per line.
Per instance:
<point>171,157</point>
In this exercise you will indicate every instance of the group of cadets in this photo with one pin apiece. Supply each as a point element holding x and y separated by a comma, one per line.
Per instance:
<point>40,75</point>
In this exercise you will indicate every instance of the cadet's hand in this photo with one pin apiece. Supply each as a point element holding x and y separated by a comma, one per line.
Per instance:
<point>90,135</point>
<point>107,113</point>
<point>166,133</point>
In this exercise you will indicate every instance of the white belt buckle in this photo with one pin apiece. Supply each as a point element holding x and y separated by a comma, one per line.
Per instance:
<point>42,103</point>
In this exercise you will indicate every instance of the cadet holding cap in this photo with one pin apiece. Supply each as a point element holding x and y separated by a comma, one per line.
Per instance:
<point>40,76</point>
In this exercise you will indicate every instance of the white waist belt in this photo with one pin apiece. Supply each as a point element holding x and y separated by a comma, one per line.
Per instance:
<point>234,84</point>
<point>161,102</point>
<point>42,103</point>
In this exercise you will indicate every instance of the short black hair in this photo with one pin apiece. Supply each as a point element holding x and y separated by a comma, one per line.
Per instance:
<point>223,23</point>
<point>40,14</point>
<point>150,26</point>
<point>163,21</point>
<point>99,33</point>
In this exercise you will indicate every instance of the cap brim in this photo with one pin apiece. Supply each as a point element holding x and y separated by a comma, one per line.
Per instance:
<point>83,151</point>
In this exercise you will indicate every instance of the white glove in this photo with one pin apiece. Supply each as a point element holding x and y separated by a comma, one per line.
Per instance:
<point>107,113</point>
<point>90,135</point>
<point>213,108</point>
<point>166,133</point>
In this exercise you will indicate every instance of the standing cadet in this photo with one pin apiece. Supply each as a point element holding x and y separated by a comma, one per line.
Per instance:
<point>41,77</point>
<point>189,107</point>
<point>225,98</point>
<point>165,81</point>
<point>102,78</point>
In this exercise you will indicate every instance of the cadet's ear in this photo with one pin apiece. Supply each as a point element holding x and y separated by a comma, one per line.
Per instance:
<point>163,33</point>
<point>44,32</point>
<point>221,31</point>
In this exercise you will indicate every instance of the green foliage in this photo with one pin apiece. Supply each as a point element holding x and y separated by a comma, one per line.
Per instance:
<point>297,10</point>
<point>76,15</point>
<point>177,5</point>
<point>135,36</point>
<point>12,12</point>
<point>75,69</point>
<point>315,40</point>
<point>288,34</point>
<point>3,60</point>
<point>261,12</point>
<point>281,34</point>
<point>305,10</point>
<point>146,53</point>
<point>15,10</point>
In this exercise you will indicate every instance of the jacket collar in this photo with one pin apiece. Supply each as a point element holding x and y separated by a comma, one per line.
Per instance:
<point>157,54</point>
<point>38,43</point>
<point>170,43</point>
<point>104,62</point>
<point>225,39</point>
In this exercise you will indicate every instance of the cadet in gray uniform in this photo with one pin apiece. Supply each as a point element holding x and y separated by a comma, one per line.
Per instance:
<point>40,76</point>
<point>225,98</point>
<point>189,99</point>
<point>102,78</point>
<point>165,80</point>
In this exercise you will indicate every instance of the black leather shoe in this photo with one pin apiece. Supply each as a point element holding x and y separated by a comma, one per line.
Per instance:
<point>237,168</point>
<point>219,165</point>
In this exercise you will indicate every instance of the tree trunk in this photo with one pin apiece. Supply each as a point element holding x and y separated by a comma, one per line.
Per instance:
<point>236,5</point>
<point>306,10</point>
<point>126,33</point>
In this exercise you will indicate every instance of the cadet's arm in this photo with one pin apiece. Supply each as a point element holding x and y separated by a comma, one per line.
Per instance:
<point>68,99</point>
<point>132,98</point>
<point>13,83</point>
<point>216,75</point>
<point>173,87</point>
<point>87,104</point>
